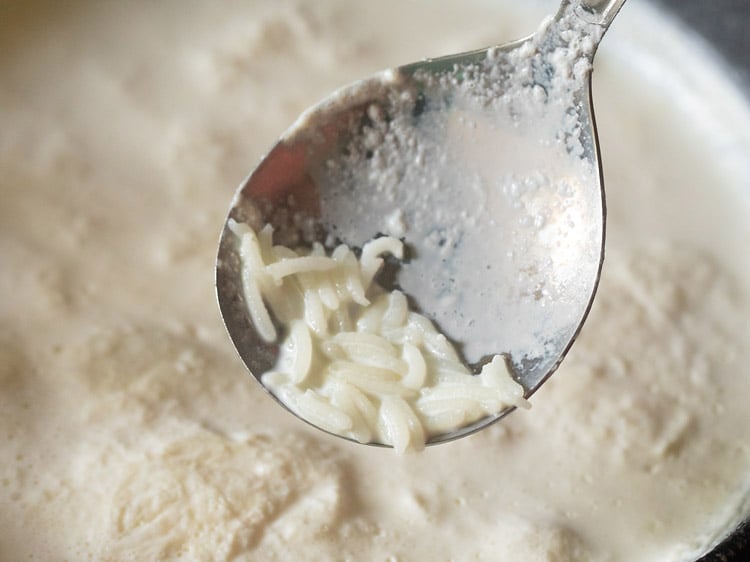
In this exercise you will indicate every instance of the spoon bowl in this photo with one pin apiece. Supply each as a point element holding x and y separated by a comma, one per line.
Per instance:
<point>486,164</point>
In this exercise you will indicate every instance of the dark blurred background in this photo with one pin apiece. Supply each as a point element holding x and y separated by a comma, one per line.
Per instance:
<point>725,23</point>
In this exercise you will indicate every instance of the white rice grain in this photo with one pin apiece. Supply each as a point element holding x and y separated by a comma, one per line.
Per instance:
<point>496,374</point>
<point>318,411</point>
<point>397,311</point>
<point>416,367</point>
<point>257,309</point>
<point>401,424</point>
<point>303,351</point>
<point>293,266</point>
<point>370,380</point>
<point>370,262</point>
<point>362,343</point>
<point>315,315</point>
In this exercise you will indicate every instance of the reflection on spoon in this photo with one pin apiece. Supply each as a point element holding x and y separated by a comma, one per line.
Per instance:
<point>466,189</point>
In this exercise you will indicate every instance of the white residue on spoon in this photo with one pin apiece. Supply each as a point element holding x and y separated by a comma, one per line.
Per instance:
<point>465,159</point>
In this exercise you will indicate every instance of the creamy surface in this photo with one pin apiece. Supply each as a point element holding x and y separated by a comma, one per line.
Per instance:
<point>129,429</point>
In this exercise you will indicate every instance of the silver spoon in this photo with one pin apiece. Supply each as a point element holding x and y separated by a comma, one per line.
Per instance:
<point>486,163</point>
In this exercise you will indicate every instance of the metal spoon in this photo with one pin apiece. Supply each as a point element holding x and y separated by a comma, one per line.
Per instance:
<point>486,164</point>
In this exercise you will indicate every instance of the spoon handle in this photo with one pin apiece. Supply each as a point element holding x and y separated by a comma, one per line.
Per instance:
<point>599,12</point>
